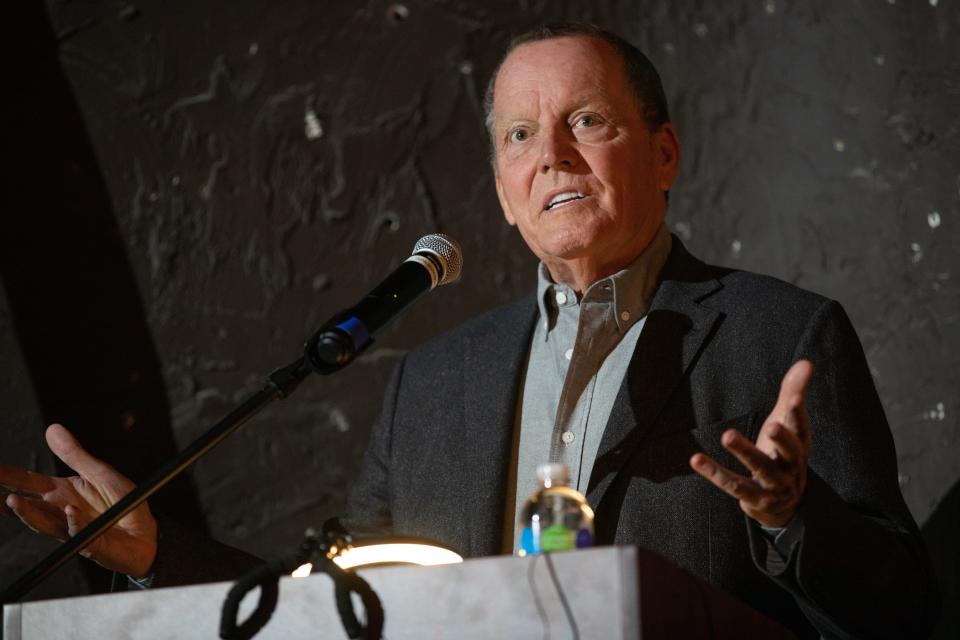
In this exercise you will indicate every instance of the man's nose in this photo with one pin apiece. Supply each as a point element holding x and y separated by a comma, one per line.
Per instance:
<point>557,151</point>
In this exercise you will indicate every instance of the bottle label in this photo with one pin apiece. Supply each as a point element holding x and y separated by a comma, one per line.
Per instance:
<point>556,538</point>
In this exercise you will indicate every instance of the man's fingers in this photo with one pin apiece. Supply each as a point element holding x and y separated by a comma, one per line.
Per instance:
<point>793,388</point>
<point>762,466</point>
<point>68,449</point>
<point>796,379</point>
<point>74,524</point>
<point>787,443</point>
<point>76,521</point>
<point>22,481</point>
<point>38,516</point>
<point>727,481</point>
<point>777,462</point>
<point>797,420</point>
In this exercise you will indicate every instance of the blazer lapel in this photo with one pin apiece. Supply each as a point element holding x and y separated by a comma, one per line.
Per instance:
<point>493,366</point>
<point>676,328</point>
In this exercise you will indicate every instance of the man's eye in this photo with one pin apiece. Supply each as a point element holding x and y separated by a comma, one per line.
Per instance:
<point>586,121</point>
<point>518,136</point>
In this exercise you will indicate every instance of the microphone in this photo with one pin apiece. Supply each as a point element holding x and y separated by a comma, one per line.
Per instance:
<point>436,260</point>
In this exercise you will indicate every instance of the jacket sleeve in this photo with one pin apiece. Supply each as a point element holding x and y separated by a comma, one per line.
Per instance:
<point>187,557</point>
<point>859,568</point>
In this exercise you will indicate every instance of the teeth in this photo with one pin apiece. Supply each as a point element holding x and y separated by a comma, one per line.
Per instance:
<point>564,197</point>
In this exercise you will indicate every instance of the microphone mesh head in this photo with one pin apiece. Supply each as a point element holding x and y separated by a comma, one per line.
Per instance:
<point>447,250</point>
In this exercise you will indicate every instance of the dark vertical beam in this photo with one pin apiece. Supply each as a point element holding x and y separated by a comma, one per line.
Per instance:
<point>75,304</point>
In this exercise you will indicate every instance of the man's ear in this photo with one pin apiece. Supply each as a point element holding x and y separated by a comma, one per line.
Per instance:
<point>667,147</point>
<point>511,220</point>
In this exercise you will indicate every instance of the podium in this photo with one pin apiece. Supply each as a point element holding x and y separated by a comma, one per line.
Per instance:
<point>614,593</point>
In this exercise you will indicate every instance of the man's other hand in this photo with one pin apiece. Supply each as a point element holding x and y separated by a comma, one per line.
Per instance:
<point>778,461</point>
<point>61,507</point>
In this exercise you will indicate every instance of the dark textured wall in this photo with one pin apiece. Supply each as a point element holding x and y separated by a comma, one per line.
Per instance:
<point>264,163</point>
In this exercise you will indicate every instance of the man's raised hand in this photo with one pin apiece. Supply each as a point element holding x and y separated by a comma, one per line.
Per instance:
<point>777,463</point>
<point>61,507</point>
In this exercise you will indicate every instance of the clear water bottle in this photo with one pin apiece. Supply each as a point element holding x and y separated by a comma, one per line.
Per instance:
<point>556,517</point>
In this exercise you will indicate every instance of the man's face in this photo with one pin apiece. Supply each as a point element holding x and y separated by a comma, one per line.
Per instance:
<point>577,170</point>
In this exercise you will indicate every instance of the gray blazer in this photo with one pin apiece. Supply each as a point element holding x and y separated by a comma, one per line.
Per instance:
<point>714,349</point>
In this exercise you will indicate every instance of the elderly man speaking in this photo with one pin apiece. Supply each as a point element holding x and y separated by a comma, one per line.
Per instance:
<point>725,420</point>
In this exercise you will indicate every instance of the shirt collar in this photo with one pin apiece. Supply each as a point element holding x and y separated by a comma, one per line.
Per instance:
<point>633,287</point>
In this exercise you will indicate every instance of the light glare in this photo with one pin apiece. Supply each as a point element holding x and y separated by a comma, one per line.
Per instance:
<point>396,552</point>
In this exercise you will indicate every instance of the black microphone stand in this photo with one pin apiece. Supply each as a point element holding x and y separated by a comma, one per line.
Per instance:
<point>326,352</point>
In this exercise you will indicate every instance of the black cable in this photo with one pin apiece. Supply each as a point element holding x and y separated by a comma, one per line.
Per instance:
<point>531,580</point>
<point>563,598</point>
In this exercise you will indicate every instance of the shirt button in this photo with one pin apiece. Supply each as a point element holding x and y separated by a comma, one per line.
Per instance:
<point>625,316</point>
<point>568,354</point>
<point>561,297</point>
<point>567,437</point>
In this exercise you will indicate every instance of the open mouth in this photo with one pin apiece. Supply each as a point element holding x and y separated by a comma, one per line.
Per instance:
<point>564,198</point>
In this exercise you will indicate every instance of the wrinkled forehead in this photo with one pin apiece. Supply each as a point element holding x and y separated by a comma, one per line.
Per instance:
<point>563,71</point>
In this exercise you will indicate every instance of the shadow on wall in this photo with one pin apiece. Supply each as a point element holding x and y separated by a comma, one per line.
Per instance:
<point>942,534</point>
<point>72,295</point>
